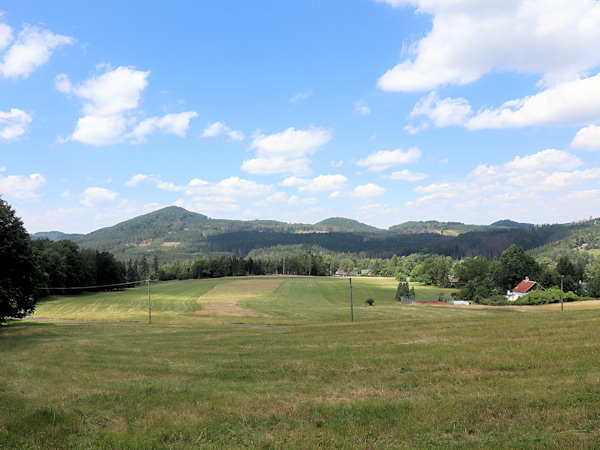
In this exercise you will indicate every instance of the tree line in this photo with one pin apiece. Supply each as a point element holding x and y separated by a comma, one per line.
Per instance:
<point>480,278</point>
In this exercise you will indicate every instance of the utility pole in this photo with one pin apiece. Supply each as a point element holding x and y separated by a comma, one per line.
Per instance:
<point>561,292</point>
<point>351,306</point>
<point>149,304</point>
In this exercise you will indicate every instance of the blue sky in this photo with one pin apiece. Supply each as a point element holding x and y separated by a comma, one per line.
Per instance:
<point>379,110</point>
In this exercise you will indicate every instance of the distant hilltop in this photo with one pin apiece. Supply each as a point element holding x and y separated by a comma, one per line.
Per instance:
<point>175,234</point>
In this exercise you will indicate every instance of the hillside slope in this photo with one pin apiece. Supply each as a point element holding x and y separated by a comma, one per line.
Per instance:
<point>175,234</point>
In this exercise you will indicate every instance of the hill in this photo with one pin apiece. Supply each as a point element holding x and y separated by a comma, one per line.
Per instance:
<point>433,226</point>
<point>511,224</point>
<point>343,224</point>
<point>175,234</point>
<point>54,235</point>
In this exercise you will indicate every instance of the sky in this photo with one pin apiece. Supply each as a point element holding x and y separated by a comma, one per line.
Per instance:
<point>383,111</point>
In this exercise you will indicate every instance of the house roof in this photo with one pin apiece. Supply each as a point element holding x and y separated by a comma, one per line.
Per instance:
<point>524,286</point>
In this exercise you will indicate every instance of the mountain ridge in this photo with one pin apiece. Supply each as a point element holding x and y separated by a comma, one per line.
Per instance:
<point>174,233</point>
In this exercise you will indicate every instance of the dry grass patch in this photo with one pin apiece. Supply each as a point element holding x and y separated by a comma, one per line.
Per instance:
<point>581,305</point>
<point>223,298</point>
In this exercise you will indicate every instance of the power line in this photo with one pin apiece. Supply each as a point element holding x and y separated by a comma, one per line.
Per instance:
<point>94,287</point>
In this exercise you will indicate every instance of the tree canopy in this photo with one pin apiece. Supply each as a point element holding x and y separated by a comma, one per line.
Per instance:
<point>18,268</point>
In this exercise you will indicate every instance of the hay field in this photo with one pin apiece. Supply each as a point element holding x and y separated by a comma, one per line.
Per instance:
<point>302,375</point>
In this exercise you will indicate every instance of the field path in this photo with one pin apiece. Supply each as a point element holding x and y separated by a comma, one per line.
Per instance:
<point>223,298</point>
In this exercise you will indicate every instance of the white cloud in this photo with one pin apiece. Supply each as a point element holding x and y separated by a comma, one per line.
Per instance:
<point>96,196</point>
<point>442,113</point>
<point>99,130</point>
<point>277,197</point>
<point>32,48</point>
<point>21,186</point>
<point>225,196</point>
<point>6,34</point>
<point>300,96</point>
<point>544,181</point>
<point>381,160</point>
<point>587,138</point>
<point>544,160</point>
<point>294,181</point>
<point>286,152</point>
<point>273,165</point>
<point>13,123</point>
<point>572,103</point>
<point>324,183</point>
<point>63,84</point>
<point>362,108</point>
<point>139,178</point>
<point>291,142</point>
<point>156,180</point>
<point>111,109</point>
<point>407,175</point>
<point>113,92</point>
<point>176,124</point>
<point>228,189</point>
<point>469,38</point>
<point>368,191</point>
<point>219,128</point>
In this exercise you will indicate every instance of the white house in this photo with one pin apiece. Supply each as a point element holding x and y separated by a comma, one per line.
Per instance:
<point>521,290</point>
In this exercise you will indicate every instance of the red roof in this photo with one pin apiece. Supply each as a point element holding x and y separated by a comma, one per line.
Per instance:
<point>524,286</point>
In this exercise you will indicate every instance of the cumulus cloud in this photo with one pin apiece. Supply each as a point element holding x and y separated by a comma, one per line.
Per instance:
<point>95,196</point>
<point>100,131</point>
<point>21,186</point>
<point>587,138</point>
<point>545,160</point>
<point>176,124</point>
<point>112,92</point>
<point>300,96</point>
<point>111,108</point>
<point>13,124</point>
<point>324,183</point>
<point>225,195</point>
<point>381,160</point>
<point>135,180</point>
<point>362,108</point>
<point>219,128</point>
<point>274,165</point>
<point>512,189</point>
<point>291,142</point>
<point>407,175</point>
<point>32,48</point>
<point>571,103</point>
<point>228,189</point>
<point>139,178</point>
<point>368,191</point>
<point>287,151</point>
<point>294,181</point>
<point>470,38</point>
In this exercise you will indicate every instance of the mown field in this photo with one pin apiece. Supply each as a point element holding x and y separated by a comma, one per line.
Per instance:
<point>280,365</point>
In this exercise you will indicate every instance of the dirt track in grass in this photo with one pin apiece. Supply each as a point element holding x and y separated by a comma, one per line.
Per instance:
<point>223,299</point>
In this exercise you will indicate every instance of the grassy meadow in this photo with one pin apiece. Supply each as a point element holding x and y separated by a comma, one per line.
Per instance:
<point>275,362</point>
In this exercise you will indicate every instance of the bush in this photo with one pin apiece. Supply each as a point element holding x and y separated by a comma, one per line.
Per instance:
<point>540,297</point>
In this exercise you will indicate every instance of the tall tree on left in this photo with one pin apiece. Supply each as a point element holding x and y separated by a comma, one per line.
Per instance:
<point>19,271</point>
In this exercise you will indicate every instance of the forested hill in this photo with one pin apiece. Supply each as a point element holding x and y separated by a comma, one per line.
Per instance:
<point>175,234</point>
<point>343,224</point>
<point>433,226</point>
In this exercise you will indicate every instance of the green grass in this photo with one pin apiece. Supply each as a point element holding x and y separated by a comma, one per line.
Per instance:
<point>400,376</point>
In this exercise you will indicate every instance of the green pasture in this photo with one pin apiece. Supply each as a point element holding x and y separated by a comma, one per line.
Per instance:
<point>303,376</point>
<point>296,299</point>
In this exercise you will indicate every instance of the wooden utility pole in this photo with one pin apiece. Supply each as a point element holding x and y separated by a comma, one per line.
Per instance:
<point>149,304</point>
<point>351,307</point>
<point>561,292</point>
